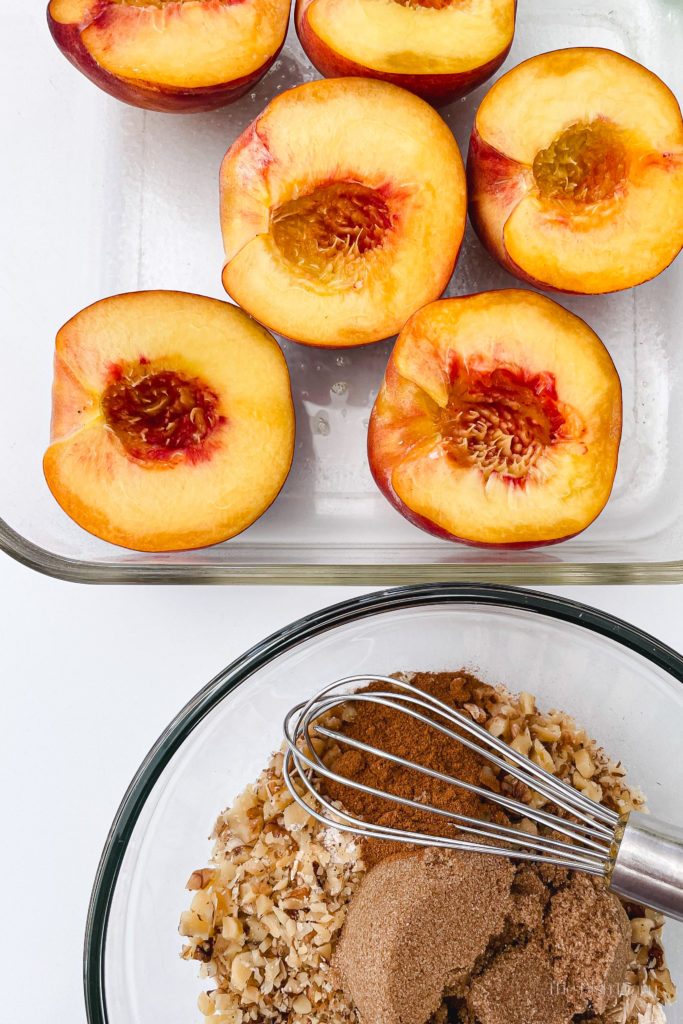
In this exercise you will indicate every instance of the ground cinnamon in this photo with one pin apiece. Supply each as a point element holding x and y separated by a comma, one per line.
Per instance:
<point>393,731</point>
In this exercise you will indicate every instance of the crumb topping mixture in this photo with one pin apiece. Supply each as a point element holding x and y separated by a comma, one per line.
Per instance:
<point>267,914</point>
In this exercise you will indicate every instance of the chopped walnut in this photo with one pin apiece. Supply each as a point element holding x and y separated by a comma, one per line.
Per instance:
<point>265,916</point>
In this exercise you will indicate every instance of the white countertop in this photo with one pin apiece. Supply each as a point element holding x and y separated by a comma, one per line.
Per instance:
<point>90,678</point>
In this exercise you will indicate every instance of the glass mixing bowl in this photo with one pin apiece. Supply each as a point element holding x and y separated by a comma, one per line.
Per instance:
<point>621,684</point>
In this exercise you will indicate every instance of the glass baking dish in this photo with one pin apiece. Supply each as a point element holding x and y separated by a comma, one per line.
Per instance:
<point>105,198</point>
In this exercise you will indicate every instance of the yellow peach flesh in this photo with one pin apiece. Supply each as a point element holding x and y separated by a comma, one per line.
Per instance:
<point>365,135</point>
<point>190,44</point>
<point>526,108</point>
<point>459,504</point>
<point>582,252</point>
<point>192,498</point>
<point>413,39</point>
<point>72,12</point>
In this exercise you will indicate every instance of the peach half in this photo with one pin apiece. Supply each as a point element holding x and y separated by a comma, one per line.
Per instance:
<point>439,49</point>
<point>171,55</point>
<point>575,172</point>
<point>343,207</point>
<point>172,420</point>
<point>498,421</point>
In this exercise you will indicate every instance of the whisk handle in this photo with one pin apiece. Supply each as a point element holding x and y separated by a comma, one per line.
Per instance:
<point>648,866</point>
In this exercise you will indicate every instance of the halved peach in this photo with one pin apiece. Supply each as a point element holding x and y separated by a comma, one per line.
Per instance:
<point>171,55</point>
<point>439,49</point>
<point>498,421</point>
<point>343,208</point>
<point>575,172</point>
<point>172,425</point>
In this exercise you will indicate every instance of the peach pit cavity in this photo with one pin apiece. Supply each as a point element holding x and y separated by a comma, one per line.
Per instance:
<point>501,422</point>
<point>157,414</point>
<point>343,220</point>
<point>586,163</point>
<point>437,5</point>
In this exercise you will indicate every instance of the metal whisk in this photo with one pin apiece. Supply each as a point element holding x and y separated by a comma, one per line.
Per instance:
<point>640,857</point>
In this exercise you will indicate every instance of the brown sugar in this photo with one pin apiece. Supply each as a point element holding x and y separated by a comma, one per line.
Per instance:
<point>574,961</point>
<point>513,949</point>
<point>591,970</point>
<point>518,988</point>
<point>505,944</point>
<point>415,926</point>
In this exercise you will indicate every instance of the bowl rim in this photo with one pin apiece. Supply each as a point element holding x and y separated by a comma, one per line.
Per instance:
<point>283,640</point>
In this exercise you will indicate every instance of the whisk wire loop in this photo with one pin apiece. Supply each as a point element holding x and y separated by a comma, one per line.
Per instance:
<point>589,834</point>
<point>307,725</point>
<point>521,767</point>
<point>477,827</point>
<point>336,817</point>
<point>591,848</point>
<point>640,857</point>
<point>570,829</point>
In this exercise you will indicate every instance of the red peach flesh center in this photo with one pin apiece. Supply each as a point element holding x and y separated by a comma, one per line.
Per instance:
<point>435,4</point>
<point>343,220</point>
<point>586,163</point>
<point>501,422</point>
<point>157,414</point>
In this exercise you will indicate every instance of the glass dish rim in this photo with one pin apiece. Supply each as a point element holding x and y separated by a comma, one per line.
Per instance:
<point>74,570</point>
<point>283,640</point>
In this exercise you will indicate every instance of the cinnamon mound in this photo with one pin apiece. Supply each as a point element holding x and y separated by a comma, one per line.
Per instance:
<point>389,729</point>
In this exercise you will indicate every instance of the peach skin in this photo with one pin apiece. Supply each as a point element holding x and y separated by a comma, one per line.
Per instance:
<point>453,47</point>
<point>171,55</point>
